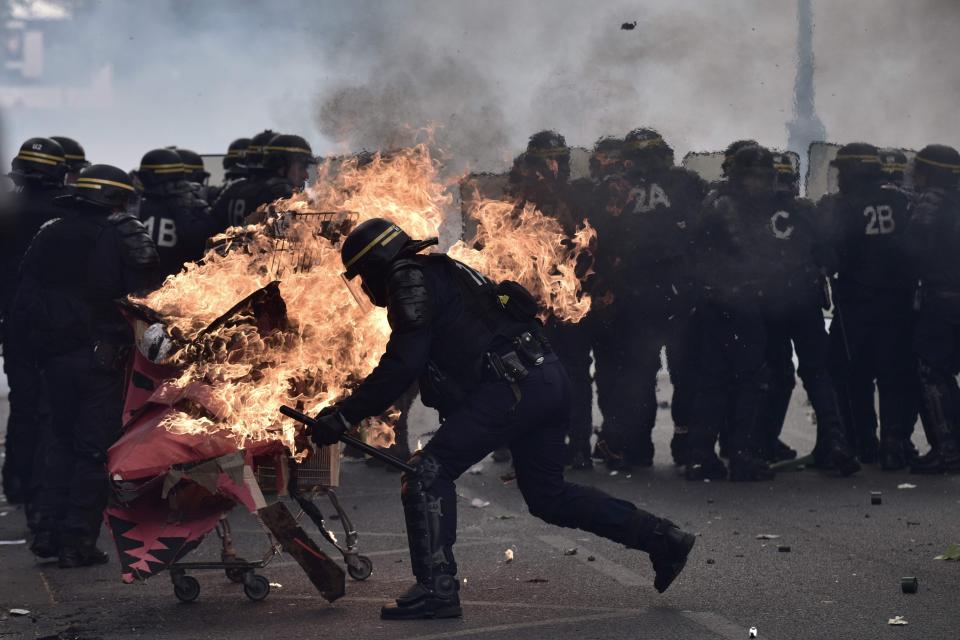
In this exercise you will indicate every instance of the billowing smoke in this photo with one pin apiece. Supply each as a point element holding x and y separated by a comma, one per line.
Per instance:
<point>374,75</point>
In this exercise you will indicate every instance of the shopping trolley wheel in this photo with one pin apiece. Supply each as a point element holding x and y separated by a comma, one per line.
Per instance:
<point>186,588</point>
<point>359,567</point>
<point>256,587</point>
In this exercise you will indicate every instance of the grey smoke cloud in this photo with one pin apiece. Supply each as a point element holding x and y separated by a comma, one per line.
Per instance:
<point>365,74</point>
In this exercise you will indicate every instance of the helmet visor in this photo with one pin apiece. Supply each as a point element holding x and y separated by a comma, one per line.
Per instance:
<point>359,292</point>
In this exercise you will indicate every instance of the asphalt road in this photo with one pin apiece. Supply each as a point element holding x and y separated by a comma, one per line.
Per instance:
<point>840,579</point>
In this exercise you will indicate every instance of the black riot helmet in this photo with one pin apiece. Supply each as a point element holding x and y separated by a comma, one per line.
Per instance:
<point>285,149</point>
<point>893,163</point>
<point>858,164</point>
<point>937,165</point>
<point>646,150</point>
<point>788,173</point>
<point>369,251</point>
<point>606,158</point>
<point>160,166</point>
<point>193,166</point>
<point>254,153</point>
<point>235,160</point>
<point>547,157</point>
<point>40,160</point>
<point>73,152</point>
<point>104,187</point>
<point>731,151</point>
<point>752,171</point>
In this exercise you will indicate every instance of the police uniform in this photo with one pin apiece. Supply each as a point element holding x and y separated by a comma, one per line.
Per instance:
<point>873,315</point>
<point>476,350</point>
<point>643,251</point>
<point>75,270</point>
<point>179,223</point>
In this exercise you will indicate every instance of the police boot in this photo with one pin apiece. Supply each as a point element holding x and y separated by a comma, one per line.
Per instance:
<point>80,551</point>
<point>580,458</point>
<point>680,446</point>
<point>944,456</point>
<point>438,597</point>
<point>668,547</point>
<point>893,455</point>
<point>705,466</point>
<point>46,544</point>
<point>747,467</point>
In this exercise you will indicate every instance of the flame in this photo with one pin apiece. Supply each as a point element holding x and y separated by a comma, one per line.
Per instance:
<point>327,343</point>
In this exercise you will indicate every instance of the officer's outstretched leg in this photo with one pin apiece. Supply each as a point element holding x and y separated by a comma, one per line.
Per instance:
<point>435,594</point>
<point>538,456</point>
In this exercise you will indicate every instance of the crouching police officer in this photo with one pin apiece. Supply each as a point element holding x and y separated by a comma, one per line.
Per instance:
<point>483,363</point>
<point>75,269</point>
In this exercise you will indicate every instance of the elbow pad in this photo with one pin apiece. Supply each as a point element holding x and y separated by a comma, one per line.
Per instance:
<point>136,245</point>
<point>408,306</point>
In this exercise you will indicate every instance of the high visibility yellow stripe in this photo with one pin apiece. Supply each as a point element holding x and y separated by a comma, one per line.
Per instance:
<point>234,154</point>
<point>290,149</point>
<point>95,183</point>
<point>894,166</point>
<point>37,155</point>
<point>193,166</point>
<point>864,158</point>
<point>941,165</point>
<point>390,238</point>
<point>392,229</point>
<point>643,144</point>
<point>23,156</point>
<point>74,157</point>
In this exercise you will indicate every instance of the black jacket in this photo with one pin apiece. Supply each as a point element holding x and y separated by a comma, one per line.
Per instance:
<point>179,223</point>
<point>243,197</point>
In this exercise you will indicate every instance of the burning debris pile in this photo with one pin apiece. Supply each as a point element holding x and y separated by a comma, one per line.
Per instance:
<point>308,345</point>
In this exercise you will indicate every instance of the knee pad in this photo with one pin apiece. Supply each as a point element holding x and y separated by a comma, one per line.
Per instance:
<point>416,484</point>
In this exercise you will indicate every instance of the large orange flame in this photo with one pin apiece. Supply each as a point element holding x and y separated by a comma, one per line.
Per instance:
<point>331,343</point>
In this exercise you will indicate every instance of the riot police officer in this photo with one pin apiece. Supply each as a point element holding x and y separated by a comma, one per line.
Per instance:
<point>234,163</point>
<point>643,252</point>
<point>482,362</point>
<point>75,270</point>
<point>541,176</point>
<point>178,221</point>
<point>75,155</point>
<point>197,175</point>
<point>38,172</point>
<point>279,168</point>
<point>873,298</point>
<point>933,235</point>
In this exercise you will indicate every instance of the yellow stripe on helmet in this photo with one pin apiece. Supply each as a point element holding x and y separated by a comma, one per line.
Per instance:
<point>43,158</point>
<point>269,149</point>
<point>97,183</point>
<point>394,229</point>
<point>643,144</point>
<point>863,158</point>
<point>939,165</point>
<point>549,153</point>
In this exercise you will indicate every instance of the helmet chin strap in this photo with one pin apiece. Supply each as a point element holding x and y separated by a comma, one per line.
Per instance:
<point>416,246</point>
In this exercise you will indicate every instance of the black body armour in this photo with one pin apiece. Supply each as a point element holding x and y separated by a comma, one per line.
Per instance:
<point>243,197</point>
<point>179,223</point>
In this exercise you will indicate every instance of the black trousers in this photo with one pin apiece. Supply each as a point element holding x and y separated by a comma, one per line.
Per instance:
<point>573,344</point>
<point>628,340</point>
<point>87,414</point>
<point>870,349</point>
<point>781,381</point>
<point>29,412</point>
<point>534,429</point>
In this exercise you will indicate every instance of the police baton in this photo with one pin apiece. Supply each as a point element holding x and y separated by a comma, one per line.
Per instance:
<point>382,456</point>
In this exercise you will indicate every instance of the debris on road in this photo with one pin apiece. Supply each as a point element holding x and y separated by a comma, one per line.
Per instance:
<point>12,542</point>
<point>19,612</point>
<point>613,473</point>
<point>570,552</point>
<point>276,585</point>
<point>504,517</point>
<point>537,580</point>
<point>952,553</point>
<point>876,497</point>
<point>909,584</point>
<point>590,559</point>
<point>767,536</point>
<point>711,561</point>
<point>629,26</point>
<point>508,556</point>
<point>477,503</point>
<point>906,485</point>
<point>783,548</point>
<point>897,620</point>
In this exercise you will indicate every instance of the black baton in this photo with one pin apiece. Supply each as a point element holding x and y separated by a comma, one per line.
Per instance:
<point>382,456</point>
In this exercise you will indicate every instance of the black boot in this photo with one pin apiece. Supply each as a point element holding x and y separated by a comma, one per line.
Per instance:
<point>705,467</point>
<point>45,545</point>
<point>668,547</point>
<point>80,551</point>
<point>746,467</point>
<point>680,446</point>
<point>436,598</point>
<point>580,459</point>
<point>893,455</point>
<point>944,456</point>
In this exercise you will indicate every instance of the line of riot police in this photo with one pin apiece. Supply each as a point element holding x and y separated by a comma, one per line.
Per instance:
<point>75,238</point>
<point>732,280</point>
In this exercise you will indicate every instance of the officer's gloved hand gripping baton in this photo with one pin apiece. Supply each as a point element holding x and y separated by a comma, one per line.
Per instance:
<point>393,461</point>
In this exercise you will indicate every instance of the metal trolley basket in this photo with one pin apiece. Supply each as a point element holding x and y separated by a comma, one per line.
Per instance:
<point>317,476</point>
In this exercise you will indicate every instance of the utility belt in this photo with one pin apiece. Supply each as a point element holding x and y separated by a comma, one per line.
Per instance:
<point>512,362</point>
